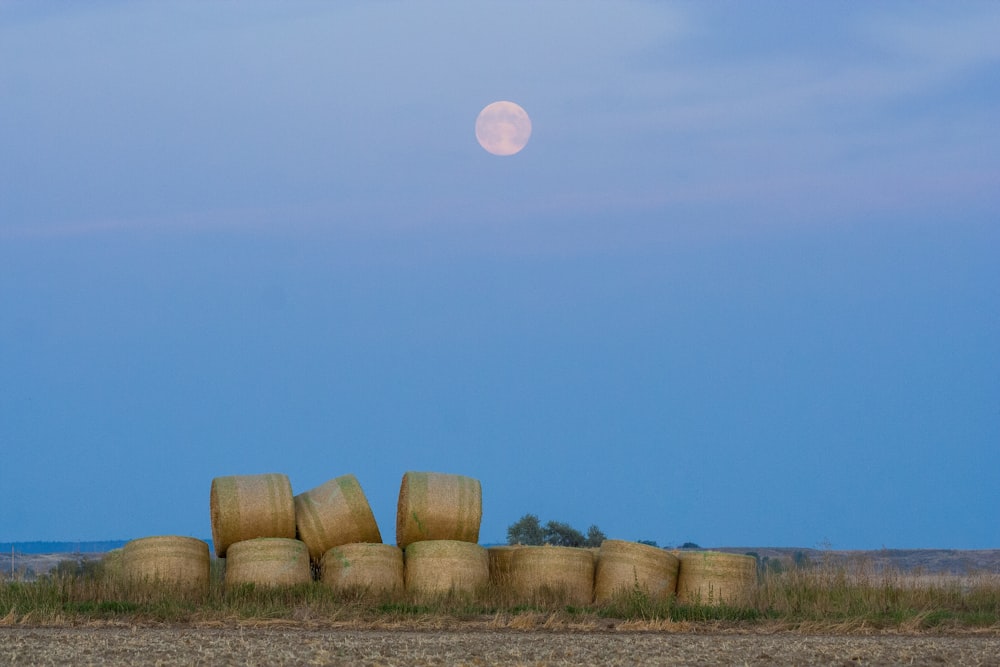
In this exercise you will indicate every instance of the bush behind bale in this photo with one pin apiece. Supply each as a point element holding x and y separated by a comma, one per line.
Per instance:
<point>244,507</point>
<point>627,566</point>
<point>438,506</point>
<point>555,571</point>
<point>443,566</point>
<point>716,578</point>
<point>334,513</point>
<point>374,567</point>
<point>268,561</point>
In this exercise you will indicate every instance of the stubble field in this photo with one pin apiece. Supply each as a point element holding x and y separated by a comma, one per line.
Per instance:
<point>262,645</point>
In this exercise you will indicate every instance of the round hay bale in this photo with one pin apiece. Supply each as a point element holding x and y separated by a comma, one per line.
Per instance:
<point>437,506</point>
<point>334,513</point>
<point>501,559</point>
<point>566,572</point>
<point>268,561</point>
<point>627,566</point>
<point>376,567</point>
<point>441,566</point>
<point>181,562</point>
<point>245,507</point>
<point>113,566</point>
<point>715,578</point>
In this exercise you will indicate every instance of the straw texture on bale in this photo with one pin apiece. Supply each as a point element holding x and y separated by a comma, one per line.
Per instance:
<point>375,567</point>
<point>437,506</point>
<point>182,562</point>
<point>268,561</point>
<point>334,513</point>
<point>113,565</point>
<point>245,507</point>
<point>501,559</point>
<point>567,571</point>
<point>627,566</point>
<point>715,578</point>
<point>440,566</point>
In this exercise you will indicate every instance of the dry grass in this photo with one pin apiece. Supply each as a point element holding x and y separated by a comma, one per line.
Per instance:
<point>831,600</point>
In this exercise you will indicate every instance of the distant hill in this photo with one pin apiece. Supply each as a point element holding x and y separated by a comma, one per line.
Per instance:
<point>913,561</point>
<point>100,546</point>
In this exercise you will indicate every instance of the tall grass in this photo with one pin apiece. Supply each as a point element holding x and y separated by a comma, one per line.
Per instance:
<point>853,597</point>
<point>858,594</point>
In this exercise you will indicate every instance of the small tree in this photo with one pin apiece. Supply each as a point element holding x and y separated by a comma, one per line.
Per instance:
<point>562,534</point>
<point>526,530</point>
<point>594,537</point>
<point>651,543</point>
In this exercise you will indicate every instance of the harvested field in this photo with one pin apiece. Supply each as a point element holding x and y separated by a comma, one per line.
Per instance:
<point>263,645</point>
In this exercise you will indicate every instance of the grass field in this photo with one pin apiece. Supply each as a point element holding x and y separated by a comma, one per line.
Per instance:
<point>820,598</point>
<point>825,614</point>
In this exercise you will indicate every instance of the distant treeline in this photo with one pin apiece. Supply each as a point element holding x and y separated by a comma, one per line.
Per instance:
<point>60,547</point>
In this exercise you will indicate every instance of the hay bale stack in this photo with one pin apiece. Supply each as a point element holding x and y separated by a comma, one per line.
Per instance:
<point>501,560</point>
<point>441,566</point>
<point>245,507</point>
<point>375,567</point>
<point>334,513</point>
<point>715,578</point>
<point>182,563</point>
<point>627,566</point>
<point>566,572</point>
<point>437,506</point>
<point>268,561</point>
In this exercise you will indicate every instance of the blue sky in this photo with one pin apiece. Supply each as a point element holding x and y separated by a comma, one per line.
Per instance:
<point>741,288</point>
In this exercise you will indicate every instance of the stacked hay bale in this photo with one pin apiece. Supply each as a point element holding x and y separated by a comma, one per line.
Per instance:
<point>253,528</point>
<point>371,567</point>
<point>180,563</point>
<point>623,567</point>
<point>715,578</point>
<point>333,514</point>
<point>245,507</point>
<point>435,567</point>
<point>268,561</point>
<point>561,573</point>
<point>437,524</point>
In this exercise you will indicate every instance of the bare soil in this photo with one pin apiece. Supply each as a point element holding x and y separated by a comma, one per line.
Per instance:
<point>283,645</point>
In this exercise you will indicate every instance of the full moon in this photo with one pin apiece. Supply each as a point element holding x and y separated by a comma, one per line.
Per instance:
<point>503,128</point>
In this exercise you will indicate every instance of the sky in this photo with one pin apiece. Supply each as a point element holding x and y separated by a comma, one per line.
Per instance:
<point>741,288</point>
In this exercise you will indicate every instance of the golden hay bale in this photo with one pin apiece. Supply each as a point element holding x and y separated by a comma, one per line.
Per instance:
<point>245,507</point>
<point>440,566</point>
<point>268,561</point>
<point>334,513</point>
<point>437,506</point>
<point>715,578</point>
<point>113,566</point>
<point>182,562</point>
<point>501,559</point>
<point>565,571</point>
<point>374,566</point>
<point>626,566</point>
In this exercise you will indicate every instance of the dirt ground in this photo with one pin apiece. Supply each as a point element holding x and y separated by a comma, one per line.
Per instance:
<point>298,646</point>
